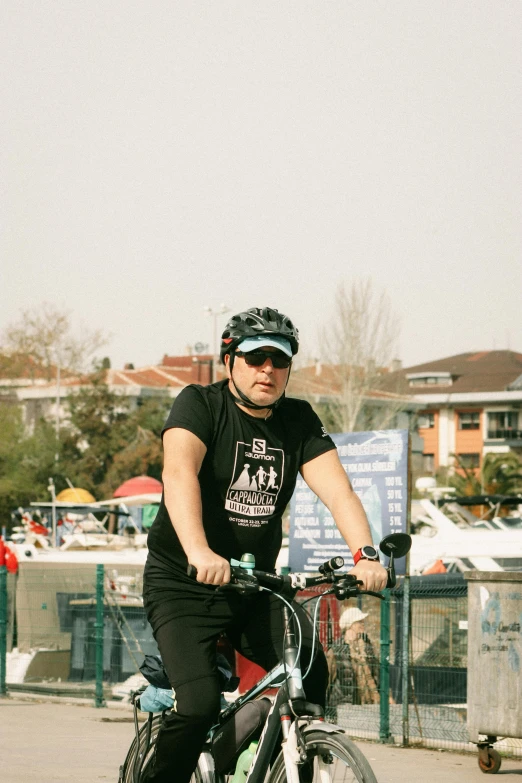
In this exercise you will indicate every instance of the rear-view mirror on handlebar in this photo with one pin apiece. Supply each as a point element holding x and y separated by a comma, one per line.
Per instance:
<point>393,546</point>
<point>396,544</point>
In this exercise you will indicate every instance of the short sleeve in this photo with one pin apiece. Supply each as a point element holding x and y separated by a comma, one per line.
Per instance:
<point>191,412</point>
<point>316,440</point>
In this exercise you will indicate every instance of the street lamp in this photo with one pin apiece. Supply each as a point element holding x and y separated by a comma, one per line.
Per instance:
<point>215,315</point>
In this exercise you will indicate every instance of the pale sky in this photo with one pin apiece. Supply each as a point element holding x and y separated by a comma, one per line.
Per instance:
<point>157,157</point>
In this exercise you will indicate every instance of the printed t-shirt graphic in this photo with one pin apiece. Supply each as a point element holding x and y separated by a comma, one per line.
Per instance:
<point>256,479</point>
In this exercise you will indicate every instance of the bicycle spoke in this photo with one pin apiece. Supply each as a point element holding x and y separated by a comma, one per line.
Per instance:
<point>333,758</point>
<point>330,769</point>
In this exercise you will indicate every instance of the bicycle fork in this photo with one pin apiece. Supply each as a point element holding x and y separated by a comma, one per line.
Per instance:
<point>293,748</point>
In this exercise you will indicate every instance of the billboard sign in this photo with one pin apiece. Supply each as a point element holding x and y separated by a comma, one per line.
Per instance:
<point>377,466</point>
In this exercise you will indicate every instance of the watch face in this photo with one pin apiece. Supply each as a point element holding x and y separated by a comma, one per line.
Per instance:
<point>369,552</point>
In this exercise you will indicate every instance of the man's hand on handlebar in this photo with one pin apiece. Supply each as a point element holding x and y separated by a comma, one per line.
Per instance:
<point>368,576</point>
<point>372,575</point>
<point>211,568</point>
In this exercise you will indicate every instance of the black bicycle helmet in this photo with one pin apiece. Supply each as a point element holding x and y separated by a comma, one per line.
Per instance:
<point>256,321</point>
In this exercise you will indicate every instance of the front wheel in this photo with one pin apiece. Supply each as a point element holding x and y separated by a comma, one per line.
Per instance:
<point>331,758</point>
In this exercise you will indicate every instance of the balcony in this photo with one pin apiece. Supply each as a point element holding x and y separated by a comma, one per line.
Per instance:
<point>514,437</point>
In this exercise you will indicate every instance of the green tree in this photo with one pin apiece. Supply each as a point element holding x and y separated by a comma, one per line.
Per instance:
<point>107,442</point>
<point>152,413</point>
<point>26,462</point>
<point>103,442</point>
<point>500,474</point>
<point>143,456</point>
<point>97,430</point>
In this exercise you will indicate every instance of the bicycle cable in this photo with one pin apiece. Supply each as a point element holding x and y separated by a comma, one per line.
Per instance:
<point>314,635</point>
<point>300,634</point>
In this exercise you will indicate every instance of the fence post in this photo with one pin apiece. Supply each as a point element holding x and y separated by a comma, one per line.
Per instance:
<point>405,661</point>
<point>384,686</point>
<point>99,627</point>
<point>3,630</point>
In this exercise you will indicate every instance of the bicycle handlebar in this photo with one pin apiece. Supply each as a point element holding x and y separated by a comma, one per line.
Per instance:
<point>251,580</point>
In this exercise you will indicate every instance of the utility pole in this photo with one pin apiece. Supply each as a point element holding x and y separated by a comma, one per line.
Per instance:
<point>215,352</point>
<point>58,401</point>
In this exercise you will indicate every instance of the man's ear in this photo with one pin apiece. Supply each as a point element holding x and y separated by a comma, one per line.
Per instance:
<point>226,359</point>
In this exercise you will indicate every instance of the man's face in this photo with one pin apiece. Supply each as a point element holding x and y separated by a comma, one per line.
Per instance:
<point>263,385</point>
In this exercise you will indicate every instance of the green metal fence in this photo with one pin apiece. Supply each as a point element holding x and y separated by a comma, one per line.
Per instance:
<point>81,630</point>
<point>3,629</point>
<point>75,629</point>
<point>421,634</point>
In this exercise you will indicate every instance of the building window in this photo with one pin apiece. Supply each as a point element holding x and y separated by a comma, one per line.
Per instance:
<point>503,424</point>
<point>428,463</point>
<point>469,421</point>
<point>430,380</point>
<point>469,460</point>
<point>426,421</point>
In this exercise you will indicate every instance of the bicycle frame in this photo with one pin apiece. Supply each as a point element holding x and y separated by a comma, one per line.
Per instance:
<point>287,678</point>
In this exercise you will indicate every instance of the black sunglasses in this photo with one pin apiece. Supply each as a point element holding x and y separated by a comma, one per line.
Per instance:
<point>258,358</point>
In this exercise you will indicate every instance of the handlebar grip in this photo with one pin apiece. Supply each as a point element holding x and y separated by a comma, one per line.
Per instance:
<point>331,565</point>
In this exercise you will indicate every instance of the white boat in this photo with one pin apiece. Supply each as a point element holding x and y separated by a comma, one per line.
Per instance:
<point>460,540</point>
<point>82,537</point>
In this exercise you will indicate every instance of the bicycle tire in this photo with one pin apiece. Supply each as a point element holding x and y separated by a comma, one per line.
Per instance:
<point>204,772</point>
<point>329,754</point>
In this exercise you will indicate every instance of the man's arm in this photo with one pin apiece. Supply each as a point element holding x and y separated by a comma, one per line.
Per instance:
<point>183,456</point>
<point>326,477</point>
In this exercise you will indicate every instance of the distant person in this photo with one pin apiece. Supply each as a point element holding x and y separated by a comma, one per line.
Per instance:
<point>352,663</point>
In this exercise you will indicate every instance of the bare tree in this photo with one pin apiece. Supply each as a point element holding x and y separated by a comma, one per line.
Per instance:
<point>45,334</point>
<point>359,344</point>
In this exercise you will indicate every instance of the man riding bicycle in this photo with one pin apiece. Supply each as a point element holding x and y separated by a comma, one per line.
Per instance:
<point>232,454</point>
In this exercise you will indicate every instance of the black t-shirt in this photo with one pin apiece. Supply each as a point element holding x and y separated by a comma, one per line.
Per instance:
<point>248,474</point>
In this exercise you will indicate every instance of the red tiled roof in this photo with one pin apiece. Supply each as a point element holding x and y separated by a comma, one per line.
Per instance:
<point>186,362</point>
<point>157,377</point>
<point>148,377</point>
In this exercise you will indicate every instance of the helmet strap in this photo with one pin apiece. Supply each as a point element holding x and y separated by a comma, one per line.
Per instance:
<point>246,401</point>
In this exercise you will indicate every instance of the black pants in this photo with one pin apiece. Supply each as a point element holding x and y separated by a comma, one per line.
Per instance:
<point>187,642</point>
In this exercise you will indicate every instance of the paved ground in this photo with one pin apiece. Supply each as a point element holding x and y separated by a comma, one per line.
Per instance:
<point>44,742</point>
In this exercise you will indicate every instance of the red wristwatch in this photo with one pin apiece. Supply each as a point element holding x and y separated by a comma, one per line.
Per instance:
<point>366,553</point>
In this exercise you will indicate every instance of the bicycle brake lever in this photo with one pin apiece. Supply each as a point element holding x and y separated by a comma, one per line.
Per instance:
<point>346,589</point>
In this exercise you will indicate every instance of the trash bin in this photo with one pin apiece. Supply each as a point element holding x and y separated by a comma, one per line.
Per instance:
<point>494,661</point>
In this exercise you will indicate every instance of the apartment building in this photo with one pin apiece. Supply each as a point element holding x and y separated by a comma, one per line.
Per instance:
<point>471,405</point>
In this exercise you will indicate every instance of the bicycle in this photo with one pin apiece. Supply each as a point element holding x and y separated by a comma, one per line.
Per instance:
<point>312,750</point>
